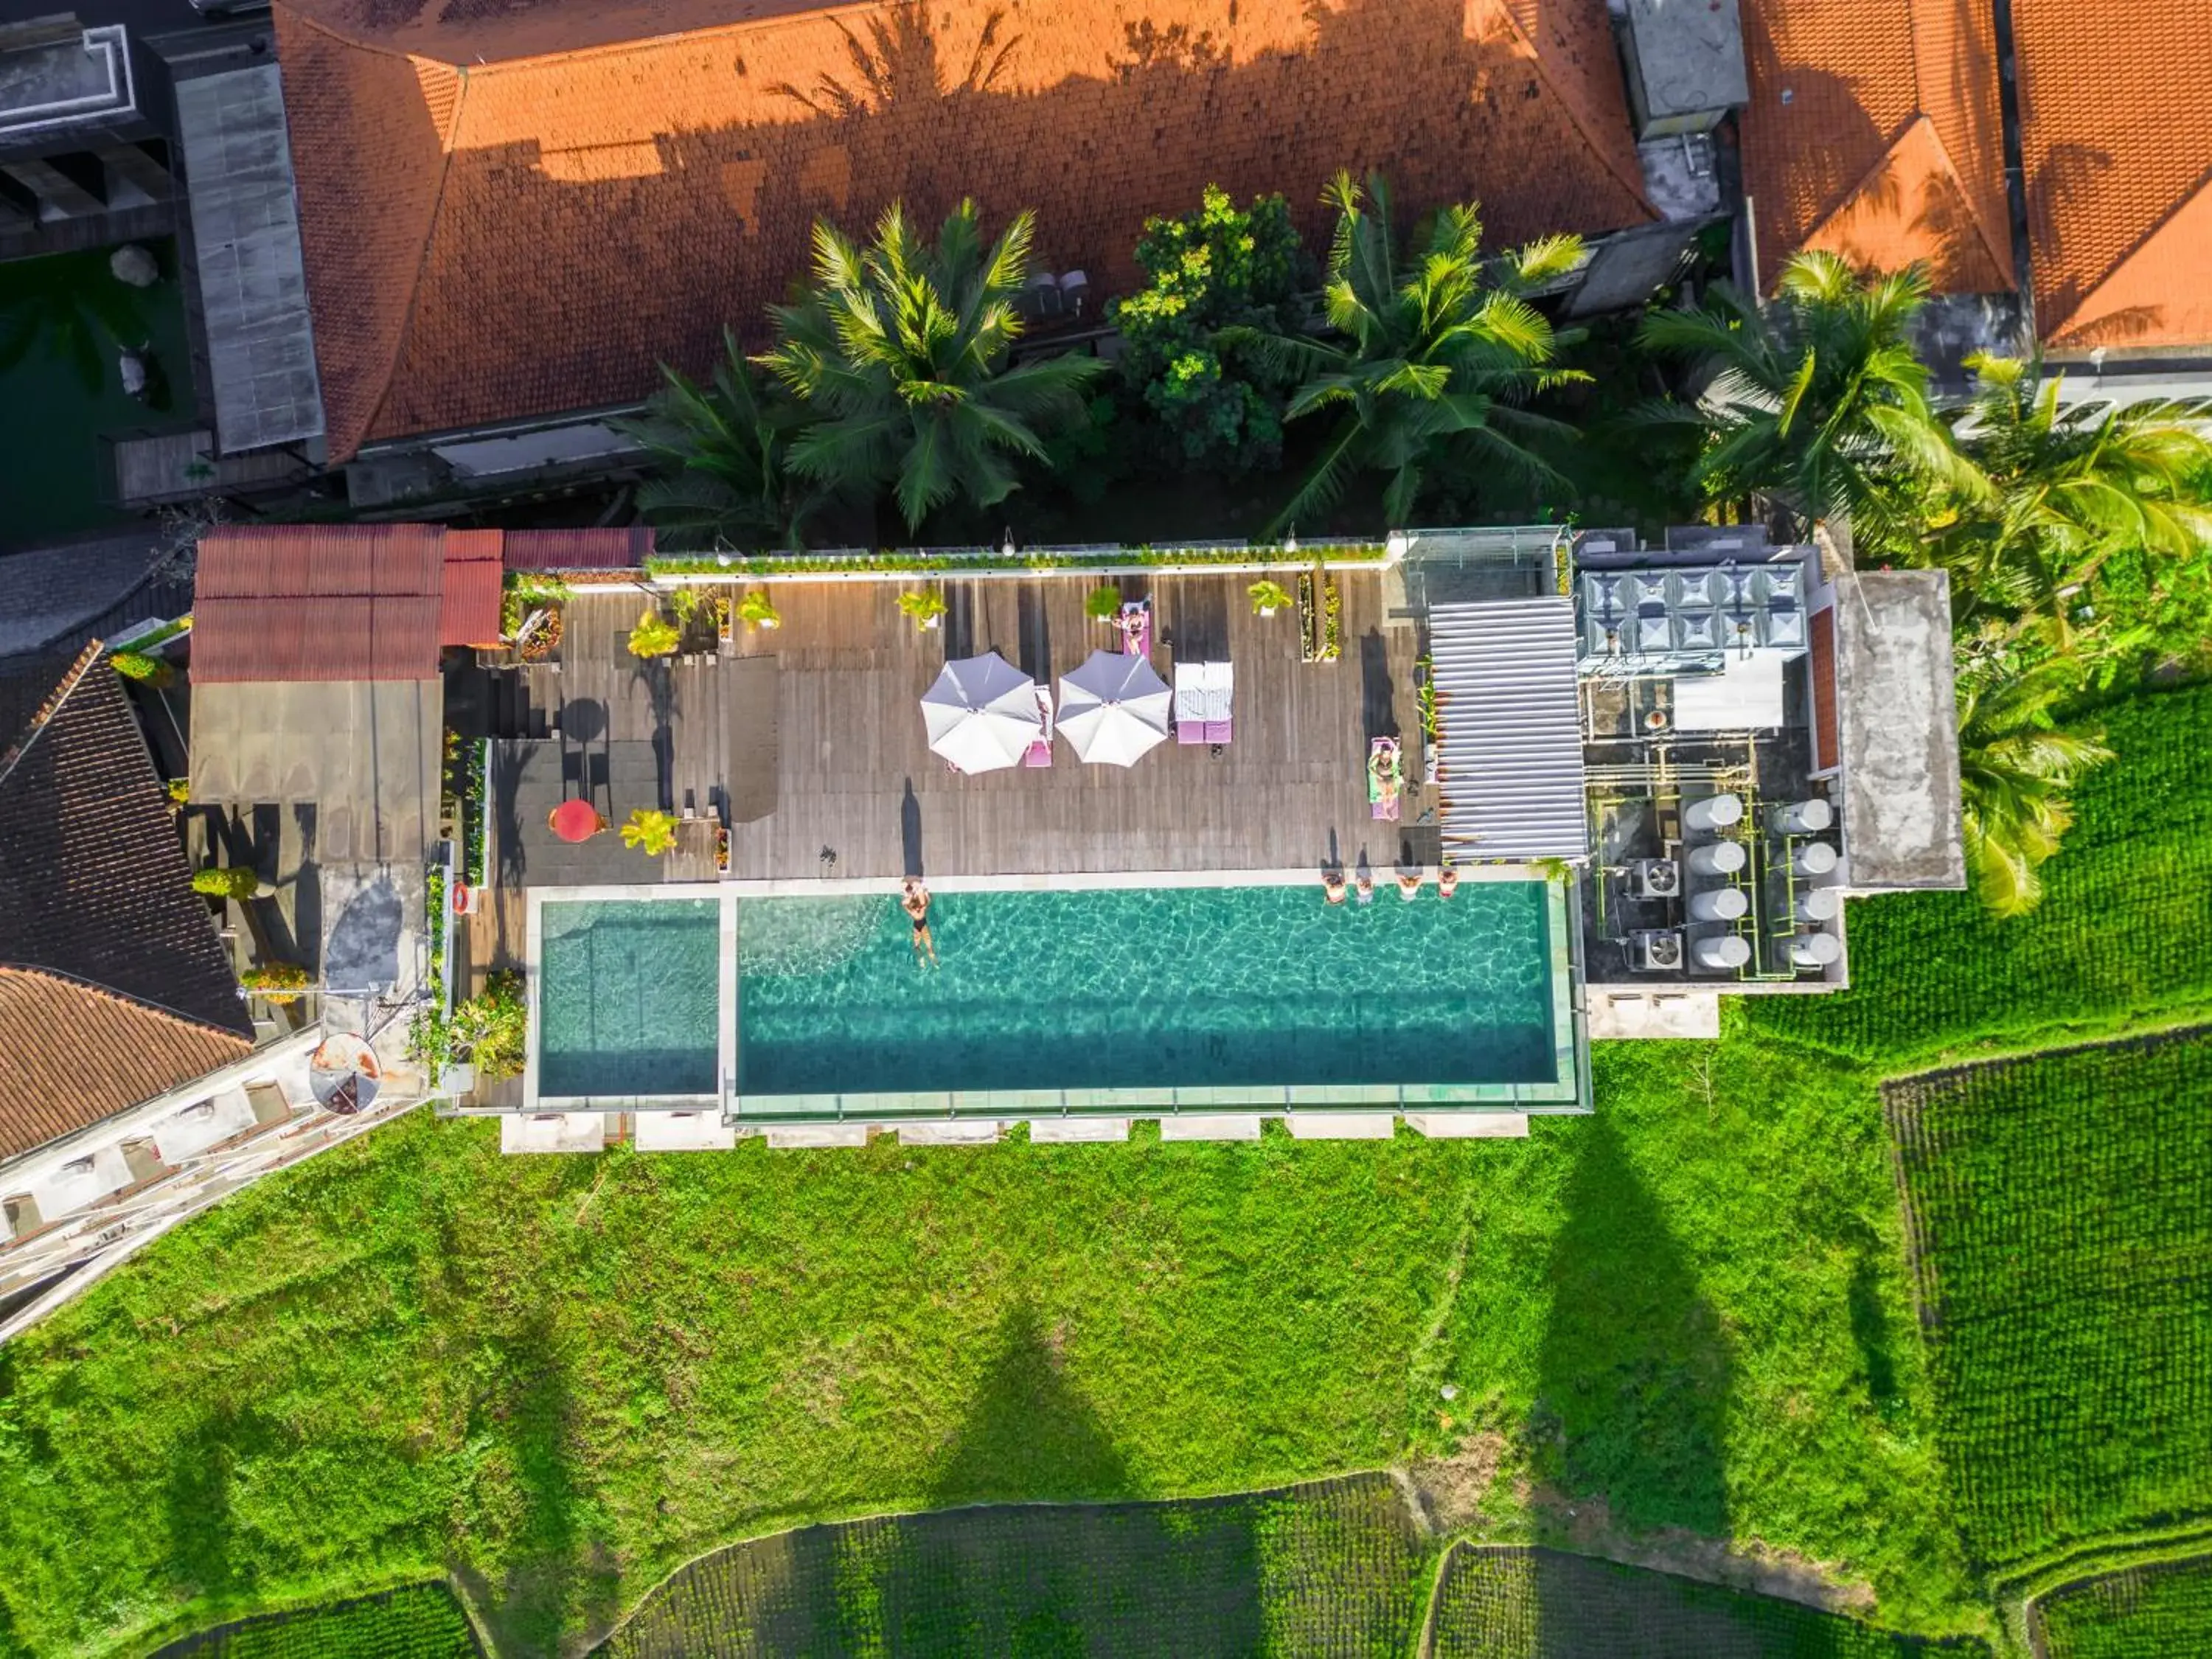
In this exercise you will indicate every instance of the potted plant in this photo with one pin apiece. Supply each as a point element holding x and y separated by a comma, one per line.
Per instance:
<point>138,665</point>
<point>725,631</point>
<point>757,611</point>
<point>281,983</point>
<point>654,637</point>
<point>1268,597</point>
<point>925,606</point>
<point>1104,603</point>
<point>1424,698</point>
<point>651,831</point>
<point>234,882</point>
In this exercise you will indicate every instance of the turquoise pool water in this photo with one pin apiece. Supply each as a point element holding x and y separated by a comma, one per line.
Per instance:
<point>627,998</point>
<point>1178,987</point>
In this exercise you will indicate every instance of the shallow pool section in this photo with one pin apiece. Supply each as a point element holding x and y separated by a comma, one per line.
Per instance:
<point>629,998</point>
<point>1188,996</point>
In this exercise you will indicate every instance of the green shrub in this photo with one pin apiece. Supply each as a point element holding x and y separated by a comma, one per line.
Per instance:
<point>1211,408</point>
<point>279,982</point>
<point>650,830</point>
<point>654,637</point>
<point>136,666</point>
<point>231,882</point>
<point>1103,603</point>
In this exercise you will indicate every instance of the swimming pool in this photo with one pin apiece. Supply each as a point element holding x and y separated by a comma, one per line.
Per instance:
<point>628,997</point>
<point>1101,1001</point>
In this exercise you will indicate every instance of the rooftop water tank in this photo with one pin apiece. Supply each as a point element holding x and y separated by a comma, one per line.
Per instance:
<point>1723,858</point>
<point>1721,954</point>
<point>1721,904</point>
<point>1821,905</point>
<point>1805,818</point>
<point>1812,858</point>
<point>1816,950</point>
<point>1714,812</point>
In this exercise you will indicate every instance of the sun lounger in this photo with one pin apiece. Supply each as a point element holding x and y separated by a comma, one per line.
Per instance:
<point>1190,704</point>
<point>1220,689</point>
<point>1137,627</point>
<point>1383,781</point>
<point>1040,752</point>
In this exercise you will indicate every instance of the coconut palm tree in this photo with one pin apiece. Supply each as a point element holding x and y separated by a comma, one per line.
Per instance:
<point>725,447</point>
<point>2074,488</point>
<point>1819,399</point>
<point>2015,766</point>
<point>899,357</point>
<point>1429,358</point>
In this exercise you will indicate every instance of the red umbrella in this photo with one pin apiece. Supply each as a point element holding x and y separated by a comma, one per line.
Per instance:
<point>575,820</point>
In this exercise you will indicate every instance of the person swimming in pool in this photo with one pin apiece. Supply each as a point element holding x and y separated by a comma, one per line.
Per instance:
<point>913,899</point>
<point>923,944</point>
<point>1331,886</point>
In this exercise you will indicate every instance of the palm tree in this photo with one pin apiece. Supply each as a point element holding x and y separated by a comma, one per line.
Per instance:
<point>725,445</point>
<point>2014,766</point>
<point>77,311</point>
<point>1820,398</point>
<point>2075,487</point>
<point>1432,357</point>
<point>899,355</point>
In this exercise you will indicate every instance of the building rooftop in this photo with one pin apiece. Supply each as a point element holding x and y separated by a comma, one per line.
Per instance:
<point>98,913</point>
<point>649,174</point>
<point>1899,730</point>
<point>1874,132</point>
<point>2116,136</point>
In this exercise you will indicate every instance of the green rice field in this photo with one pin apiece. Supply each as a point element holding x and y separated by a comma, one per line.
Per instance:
<point>420,1622</point>
<point>2162,1612</point>
<point>2120,937</point>
<point>2058,1221</point>
<point>1545,1604</point>
<point>1337,1569</point>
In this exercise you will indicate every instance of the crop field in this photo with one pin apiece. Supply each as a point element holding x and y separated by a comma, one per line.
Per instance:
<point>1335,1569</point>
<point>2121,931</point>
<point>1544,1604</point>
<point>420,1622</point>
<point>2162,1612</point>
<point>2063,1250</point>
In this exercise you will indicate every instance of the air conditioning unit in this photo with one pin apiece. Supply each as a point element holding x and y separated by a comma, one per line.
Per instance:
<point>1655,952</point>
<point>1655,878</point>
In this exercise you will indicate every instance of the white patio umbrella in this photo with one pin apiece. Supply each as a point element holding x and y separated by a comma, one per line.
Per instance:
<point>983,713</point>
<point>1113,708</point>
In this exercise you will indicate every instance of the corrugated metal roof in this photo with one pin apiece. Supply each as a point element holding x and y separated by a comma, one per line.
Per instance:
<point>1510,720</point>
<point>340,602</point>
<point>578,549</point>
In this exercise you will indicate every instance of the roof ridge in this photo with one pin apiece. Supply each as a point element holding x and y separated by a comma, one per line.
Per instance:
<point>72,677</point>
<point>2199,193</point>
<point>1572,105</point>
<point>40,970</point>
<point>2001,257</point>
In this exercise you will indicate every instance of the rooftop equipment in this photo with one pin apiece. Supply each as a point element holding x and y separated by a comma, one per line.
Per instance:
<point>1657,952</point>
<point>1816,950</point>
<point>1722,955</point>
<point>1651,878</point>
<point>1814,857</point>
<point>1805,818</point>
<point>1720,904</point>
<point>1690,619</point>
<point>1714,812</point>
<point>1819,904</point>
<point>1723,858</point>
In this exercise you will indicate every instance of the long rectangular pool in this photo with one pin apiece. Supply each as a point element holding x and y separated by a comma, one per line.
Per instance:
<point>1091,1000</point>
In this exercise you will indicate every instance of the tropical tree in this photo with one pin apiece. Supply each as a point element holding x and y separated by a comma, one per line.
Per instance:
<point>1431,354</point>
<point>2014,767</point>
<point>76,311</point>
<point>1819,399</point>
<point>2077,492</point>
<point>899,355</point>
<point>1213,405</point>
<point>725,447</point>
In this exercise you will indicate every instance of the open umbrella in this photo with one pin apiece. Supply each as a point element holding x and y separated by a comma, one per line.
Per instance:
<point>575,820</point>
<point>1113,708</point>
<point>983,713</point>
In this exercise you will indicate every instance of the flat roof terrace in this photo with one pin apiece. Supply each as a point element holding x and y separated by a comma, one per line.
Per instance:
<point>808,739</point>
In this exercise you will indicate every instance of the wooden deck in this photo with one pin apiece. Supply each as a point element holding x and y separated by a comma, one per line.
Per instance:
<point>808,738</point>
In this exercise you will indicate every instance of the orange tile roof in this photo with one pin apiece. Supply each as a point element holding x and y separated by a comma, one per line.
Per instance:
<point>1874,131</point>
<point>77,1054</point>
<point>2116,136</point>
<point>531,233</point>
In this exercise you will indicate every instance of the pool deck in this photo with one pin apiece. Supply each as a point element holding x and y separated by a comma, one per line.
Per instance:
<point>808,738</point>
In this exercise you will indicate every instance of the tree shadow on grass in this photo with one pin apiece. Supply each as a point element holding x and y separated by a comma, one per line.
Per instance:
<point>1636,1370</point>
<point>558,1572</point>
<point>1029,1433</point>
<point>196,1502</point>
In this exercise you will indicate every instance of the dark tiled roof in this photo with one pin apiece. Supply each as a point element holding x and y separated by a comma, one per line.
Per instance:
<point>76,1054</point>
<point>339,602</point>
<point>57,598</point>
<point>514,209</point>
<point>93,884</point>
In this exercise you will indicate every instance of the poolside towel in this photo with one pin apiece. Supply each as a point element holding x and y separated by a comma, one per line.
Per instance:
<point>1382,779</point>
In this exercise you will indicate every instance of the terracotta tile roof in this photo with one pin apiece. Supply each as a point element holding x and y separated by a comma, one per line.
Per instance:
<point>531,234</point>
<point>93,884</point>
<point>77,1054</point>
<point>340,602</point>
<point>1874,131</point>
<point>2116,136</point>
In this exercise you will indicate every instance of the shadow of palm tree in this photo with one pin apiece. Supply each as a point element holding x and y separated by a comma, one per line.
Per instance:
<point>1029,1433</point>
<point>1635,1368</point>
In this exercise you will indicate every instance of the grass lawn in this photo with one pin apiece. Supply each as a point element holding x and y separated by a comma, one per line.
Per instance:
<point>564,1378</point>
<point>2064,1249</point>
<point>2147,1612</point>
